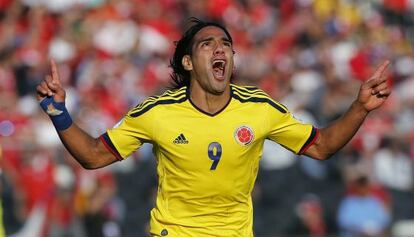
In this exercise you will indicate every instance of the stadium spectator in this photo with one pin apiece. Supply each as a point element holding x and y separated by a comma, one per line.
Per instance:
<point>202,69</point>
<point>327,34</point>
<point>361,213</point>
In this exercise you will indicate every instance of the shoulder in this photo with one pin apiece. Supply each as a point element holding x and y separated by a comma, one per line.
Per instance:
<point>169,97</point>
<point>255,95</point>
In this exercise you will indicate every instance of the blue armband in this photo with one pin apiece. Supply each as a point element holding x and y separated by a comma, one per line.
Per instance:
<point>57,112</point>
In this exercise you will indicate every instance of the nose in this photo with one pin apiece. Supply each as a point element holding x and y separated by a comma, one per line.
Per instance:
<point>219,49</point>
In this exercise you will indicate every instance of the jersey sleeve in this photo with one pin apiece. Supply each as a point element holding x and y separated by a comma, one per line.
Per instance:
<point>289,132</point>
<point>129,134</point>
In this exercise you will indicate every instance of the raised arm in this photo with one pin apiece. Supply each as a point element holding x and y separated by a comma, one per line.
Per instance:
<point>372,94</point>
<point>88,151</point>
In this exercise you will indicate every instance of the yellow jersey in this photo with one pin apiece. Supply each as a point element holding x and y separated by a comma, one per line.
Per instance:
<point>207,164</point>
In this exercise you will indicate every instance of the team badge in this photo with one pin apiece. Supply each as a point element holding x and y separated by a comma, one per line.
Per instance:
<point>244,135</point>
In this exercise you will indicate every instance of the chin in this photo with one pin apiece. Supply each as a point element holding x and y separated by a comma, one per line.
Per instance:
<point>218,86</point>
<point>219,90</point>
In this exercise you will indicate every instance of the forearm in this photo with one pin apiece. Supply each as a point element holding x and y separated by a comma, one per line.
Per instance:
<point>88,151</point>
<point>372,94</point>
<point>339,133</point>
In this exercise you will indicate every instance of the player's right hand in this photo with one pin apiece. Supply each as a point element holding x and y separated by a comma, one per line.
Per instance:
<point>51,86</point>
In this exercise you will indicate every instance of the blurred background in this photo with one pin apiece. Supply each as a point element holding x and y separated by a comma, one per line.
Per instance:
<point>310,55</point>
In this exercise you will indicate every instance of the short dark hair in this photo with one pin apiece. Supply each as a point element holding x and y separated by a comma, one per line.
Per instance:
<point>181,77</point>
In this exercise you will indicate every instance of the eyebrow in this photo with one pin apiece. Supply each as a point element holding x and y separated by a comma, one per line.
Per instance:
<point>225,39</point>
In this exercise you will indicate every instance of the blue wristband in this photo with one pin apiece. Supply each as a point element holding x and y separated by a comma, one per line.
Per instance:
<point>57,112</point>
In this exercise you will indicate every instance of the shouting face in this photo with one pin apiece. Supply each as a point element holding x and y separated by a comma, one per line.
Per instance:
<point>211,62</point>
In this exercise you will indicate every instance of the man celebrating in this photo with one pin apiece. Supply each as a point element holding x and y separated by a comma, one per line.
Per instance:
<point>208,135</point>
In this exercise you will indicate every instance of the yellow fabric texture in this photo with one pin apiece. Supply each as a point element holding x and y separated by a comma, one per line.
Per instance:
<point>207,164</point>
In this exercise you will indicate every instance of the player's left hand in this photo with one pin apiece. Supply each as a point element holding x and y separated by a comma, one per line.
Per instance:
<point>375,90</point>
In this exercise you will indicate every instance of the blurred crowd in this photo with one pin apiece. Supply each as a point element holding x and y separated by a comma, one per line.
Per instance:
<point>310,55</point>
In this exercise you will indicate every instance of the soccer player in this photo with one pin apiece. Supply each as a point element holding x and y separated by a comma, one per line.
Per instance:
<point>207,134</point>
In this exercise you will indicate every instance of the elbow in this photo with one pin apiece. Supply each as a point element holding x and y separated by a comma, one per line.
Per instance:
<point>322,156</point>
<point>320,150</point>
<point>318,154</point>
<point>88,162</point>
<point>89,165</point>
<point>96,161</point>
<point>92,161</point>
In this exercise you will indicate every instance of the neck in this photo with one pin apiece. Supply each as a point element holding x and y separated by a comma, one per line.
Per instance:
<point>208,102</point>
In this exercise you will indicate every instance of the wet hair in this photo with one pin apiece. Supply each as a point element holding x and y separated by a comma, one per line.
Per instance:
<point>181,77</point>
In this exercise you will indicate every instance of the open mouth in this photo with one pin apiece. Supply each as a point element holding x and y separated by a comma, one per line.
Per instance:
<point>219,68</point>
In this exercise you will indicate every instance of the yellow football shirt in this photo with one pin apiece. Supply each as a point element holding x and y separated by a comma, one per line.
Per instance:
<point>207,164</point>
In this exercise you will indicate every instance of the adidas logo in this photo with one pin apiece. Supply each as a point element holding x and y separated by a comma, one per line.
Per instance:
<point>180,140</point>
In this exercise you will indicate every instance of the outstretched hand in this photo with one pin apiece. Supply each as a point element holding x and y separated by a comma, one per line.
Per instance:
<point>51,86</point>
<point>375,90</point>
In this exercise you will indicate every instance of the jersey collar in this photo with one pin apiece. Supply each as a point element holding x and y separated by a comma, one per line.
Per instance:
<point>207,113</point>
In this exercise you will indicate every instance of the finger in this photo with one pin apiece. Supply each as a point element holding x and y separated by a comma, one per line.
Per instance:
<point>48,79</point>
<point>384,93</point>
<point>379,88</point>
<point>41,92</point>
<point>380,70</point>
<point>51,84</point>
<point>375,81</point>
<point>371,83</point>
<point>55,74</point>
<point>46,88</point>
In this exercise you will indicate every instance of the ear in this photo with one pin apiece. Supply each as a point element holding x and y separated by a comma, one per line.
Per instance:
<point>187,63</point>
